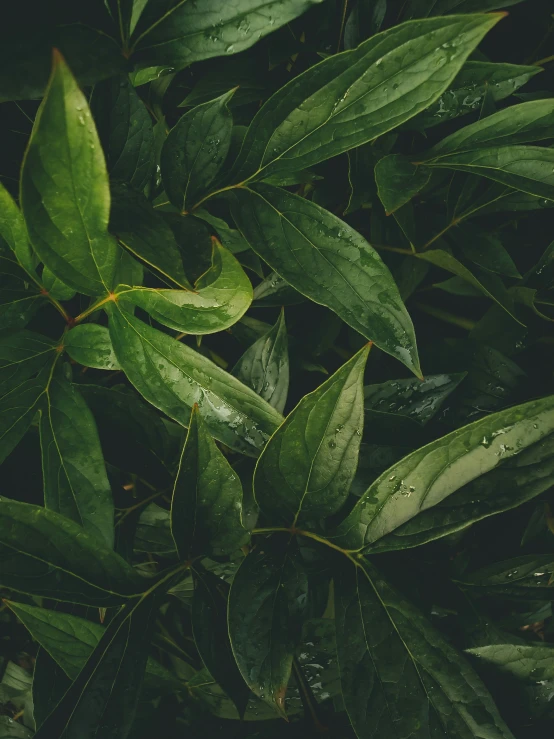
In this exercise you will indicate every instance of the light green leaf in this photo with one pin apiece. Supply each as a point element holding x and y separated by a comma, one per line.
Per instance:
<point>266,605</point>
<point>13,231</point>
<point>143,231</point>
<point>429,475</point>
<point>173,377</point>
<point>75,480</point>
<point>185,33</point>
<point>531,663</point>
<point>264,366</point>
<point>89,344</point>
<point>398,180</point>
<point>305,471</point>
<point>195,150</point>
<point>325,259</point>
<point>207,498</point>
<point>55,287</point>
<point>399,676</point>
<point>466,94</point>
<point>64,189</point>
<point>125,130</point>
<point>48,555</point>
<point>221,297</point>
<point>353,97</point>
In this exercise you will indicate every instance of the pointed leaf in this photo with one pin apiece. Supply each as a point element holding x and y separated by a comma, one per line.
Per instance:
<point>531,663</point>
<point>195,151</point>
<point>46,554</point>
<point>264,366</point>
<point>75,480</point>
<point>22,354</point>
<point>89,344</point>
<point>429,475</point>
<point>266,605</point>
<point>305,471</point>
<point>221,297</point>
<point>173,377</point>
<point>325,259</point>
<point>64,189</point>
<point>17,410</point>
<point>526,578</point>
<point>13,231</point>
<point>353,97</point>
<point>398,180</point>
<point>399,675</point>
<point>207,498</point>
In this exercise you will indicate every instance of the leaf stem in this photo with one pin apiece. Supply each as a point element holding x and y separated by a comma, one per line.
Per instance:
<point>94,307</point>
<point>308,534</point>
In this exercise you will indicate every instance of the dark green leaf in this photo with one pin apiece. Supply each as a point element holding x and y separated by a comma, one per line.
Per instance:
<point>195,151</point>
<point>531,663</point>
<point>398,180</point>
<point>229,237</point>
<point>153,531</point>
<point>64,189</point>
<point>17,410</point>
<point>485,250</point>
<point>353,97</point>
<point>274,292</point>
<point>399,676</point>
<point>528,578</point>
<point>10,729</point>
<point>211,636</point>
<point>325,259</point>
<point>173,377</point>
<point>143,231</point>
<point>220,298</point>
<point>182,33</point>
<point>265,366</point>
<point>429,475</point>
<point>89,344</point>
<point>46,554</point>
<point>13,231</point>
<point>266,604</point>
<point>75,480</point>
<point>207,498</point>
<point>55,287</point>
<point>304,473</point>
<point>22,354</point>
<point>125,130</point>
<point>49,684</point>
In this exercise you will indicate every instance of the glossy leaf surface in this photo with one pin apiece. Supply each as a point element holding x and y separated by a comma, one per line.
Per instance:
<point>89,344</point>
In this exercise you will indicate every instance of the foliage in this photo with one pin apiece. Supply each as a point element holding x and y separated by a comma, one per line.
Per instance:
<point>235,486</point>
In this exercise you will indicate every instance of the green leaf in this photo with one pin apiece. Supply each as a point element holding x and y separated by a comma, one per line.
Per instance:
<point>47,555</point>
<point>484,249</point>
<point>89,344</point>
<point>64,189</point>
<point>516,124</point>
<point>304,473</point>
<point>485,282</point>
<point>75,480</point>
<point>398,180</point>
<point>353,97</point>
<point>466,94</point>
<point>429,475</point>
<point>195,150</point>
<point>266,605</point>
<point>229,237</point>
<point>530,663</point>
<point>55,287</point>
<point>183,33</point>
<point>13,231</point>
<point>526,168</point>
<point>207,498</point>
<point>424,8</point>
<point>399,676</point>
<point>211,636</point>
<point>10,729</point>
<point>125,130</point>
<point>325,259</point>
<point>173,377</point>
<point>70,640</point>
<point>22,354</point>
<point>17,410</point>
<point>49,684</point>
<point>221,297</point>
<point>19,301</point>
<point>143,231</point>
<point>275,292</point>
<point>516,481</point>
<point>265,365</point>
<point>527,578</point>
<point>105,694</point>
<point>153,531</point>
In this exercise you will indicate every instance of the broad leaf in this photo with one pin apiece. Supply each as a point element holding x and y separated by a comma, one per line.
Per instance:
<point>399,676</point>
<point>229,237</point>
<point>19,301</point>
<point>184,33</point>
<point>21,355</point>
<point>275,292</point>
<point>64,189</point>
<point>525,578</point>
<point>125,130</point>
<point>89,344</point>
<point>195,151</point>
<point>325,259</point>
<point>353,97</point>
<point>143,231</point>
<point>13,231</point>
<point>398,180</point>
<point>75,480</point>
<point>47,555</point>
<point>17,410</point>
<point>264,366</point>
<point>304,473</point>
<point>55,287</point>
<point>220,298</point>
<point>531,663</point>
<point>153,531</point>
<point>266,605</point>
<point>207,498</point>
<point>49,684</point>
<point>173,377</point>
<point>211,636</point>
<point>484,249</point>
<point>429,475</point>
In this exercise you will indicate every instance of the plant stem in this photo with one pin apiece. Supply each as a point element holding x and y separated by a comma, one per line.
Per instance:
<point>443,315</point>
